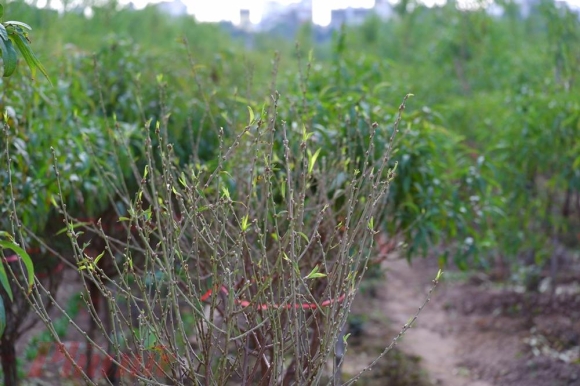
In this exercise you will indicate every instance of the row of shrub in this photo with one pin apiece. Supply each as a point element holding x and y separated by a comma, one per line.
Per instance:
<point>481,167</point>
<point>443,192</point>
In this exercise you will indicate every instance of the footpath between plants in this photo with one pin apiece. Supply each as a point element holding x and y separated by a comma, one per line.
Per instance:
<point>479,333</point>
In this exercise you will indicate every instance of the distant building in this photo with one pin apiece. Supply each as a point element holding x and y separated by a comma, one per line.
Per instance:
<point>357,16</point>
<point>348,16</point>
<point>245,23</point>
<point>172,8</point>
<point>286,20</point>
<point>383,9</point>
<point>304,11</point>
<point>276,14</point>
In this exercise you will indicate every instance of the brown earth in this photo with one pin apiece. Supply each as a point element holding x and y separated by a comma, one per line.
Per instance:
<point>475,332</point>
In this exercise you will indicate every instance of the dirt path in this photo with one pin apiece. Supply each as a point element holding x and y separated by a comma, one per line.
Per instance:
<point>481,333</point>
<point>432,339</point>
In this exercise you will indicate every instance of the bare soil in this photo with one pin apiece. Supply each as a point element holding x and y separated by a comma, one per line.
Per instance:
<point>477,333</point>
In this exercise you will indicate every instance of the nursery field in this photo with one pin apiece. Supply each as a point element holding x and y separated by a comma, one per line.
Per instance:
<point>194,205</point>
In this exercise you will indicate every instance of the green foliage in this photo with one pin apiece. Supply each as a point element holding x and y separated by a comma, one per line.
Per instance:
<point>478,82</point>
<point>14,34</point>
<point>504,88</point>
<point>442,191</point>
<point>485,163</point>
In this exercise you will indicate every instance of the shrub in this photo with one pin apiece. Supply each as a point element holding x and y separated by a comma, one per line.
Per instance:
<point>244,270</point>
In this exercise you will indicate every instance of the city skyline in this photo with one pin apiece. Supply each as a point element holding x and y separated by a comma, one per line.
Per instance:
<point>229,10</point>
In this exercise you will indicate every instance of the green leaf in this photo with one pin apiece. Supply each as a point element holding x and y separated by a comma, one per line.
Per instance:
<point>148,214</point>
<point>175,191</point>
<point>263,113</point>
<point>4,282</point>
<point>379,86</point>
<point>576,163</point>
<point>6,235</point>
<point>241,100</point>
<point>8,56</point>
<point>2,317</point>
<point>96,261</point>
<point>22,44</point>
<point>25,259</point>
<point>296,267</point>
<point>225,193</point>
<point>304,236</point>
<point>305,135</point>
<point>283,190</point>
<point>315,274</point>
<point>245,224</point>
<point>312,159</point>
<point>371,224</point>
<point>71,227</point>
<point>19,23</point>
<point>1,15</point>
<point>345,338</point>
<point>3,32</point>
<point>182,180</point>
<point>251,114</point>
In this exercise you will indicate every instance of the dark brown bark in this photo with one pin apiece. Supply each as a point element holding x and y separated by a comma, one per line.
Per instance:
<point>8,358</point>
<point>566,210</point>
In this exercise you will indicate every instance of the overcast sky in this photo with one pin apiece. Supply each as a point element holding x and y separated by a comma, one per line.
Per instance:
<point>217,10</point>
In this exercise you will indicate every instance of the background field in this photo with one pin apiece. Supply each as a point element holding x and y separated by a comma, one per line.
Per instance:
<point>487,178</point>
